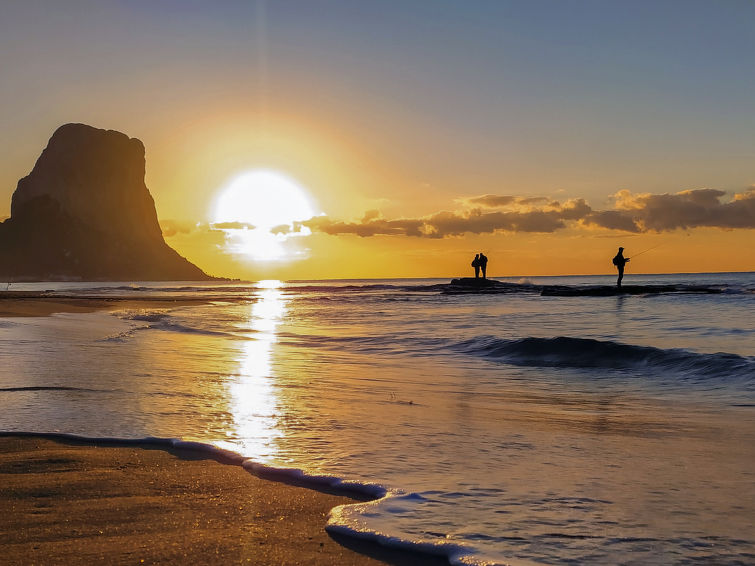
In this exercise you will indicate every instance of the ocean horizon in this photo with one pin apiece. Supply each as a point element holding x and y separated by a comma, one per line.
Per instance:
<point>507,427</point>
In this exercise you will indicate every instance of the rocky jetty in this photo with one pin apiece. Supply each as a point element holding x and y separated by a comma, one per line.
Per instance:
<point>85,213</point>
<point>611,290</point>
<point>479,285</point>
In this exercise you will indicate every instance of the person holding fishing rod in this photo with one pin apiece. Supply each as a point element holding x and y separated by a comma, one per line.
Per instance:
<point>620,261</point>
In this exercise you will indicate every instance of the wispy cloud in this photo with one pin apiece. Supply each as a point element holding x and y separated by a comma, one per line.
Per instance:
<point>232,226</point>
<point>172,227</point>
<point>497,201</point>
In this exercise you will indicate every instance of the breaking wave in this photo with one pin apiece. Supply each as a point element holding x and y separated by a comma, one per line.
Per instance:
<point>564,351</point>
<point>162,321</point>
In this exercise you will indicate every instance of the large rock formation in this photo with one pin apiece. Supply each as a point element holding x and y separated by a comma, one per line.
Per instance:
<point>85,213</point>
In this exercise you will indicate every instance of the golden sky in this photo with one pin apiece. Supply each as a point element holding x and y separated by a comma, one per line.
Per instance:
<point>545,134</point>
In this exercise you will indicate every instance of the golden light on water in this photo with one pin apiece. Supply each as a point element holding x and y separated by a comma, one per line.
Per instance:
<point>254,403</point>
<point>257,211</point>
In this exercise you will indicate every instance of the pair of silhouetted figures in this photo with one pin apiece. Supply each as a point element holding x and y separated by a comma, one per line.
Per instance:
<point>480,262</point>
<point>620,261</point>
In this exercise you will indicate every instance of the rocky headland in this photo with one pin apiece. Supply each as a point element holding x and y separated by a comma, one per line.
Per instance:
<point>85,213</point>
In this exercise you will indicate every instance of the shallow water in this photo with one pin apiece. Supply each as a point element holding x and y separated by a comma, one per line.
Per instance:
<point>508,427</point>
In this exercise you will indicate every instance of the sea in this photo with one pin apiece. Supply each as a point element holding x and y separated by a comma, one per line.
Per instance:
<point>514,426</point>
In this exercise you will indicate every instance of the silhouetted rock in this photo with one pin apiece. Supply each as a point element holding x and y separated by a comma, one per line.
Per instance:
<point>85,213</point>
<point>478,285</point>
<point>607,291</point>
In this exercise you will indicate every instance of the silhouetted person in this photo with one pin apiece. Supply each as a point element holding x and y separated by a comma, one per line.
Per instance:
<point>620,261</point>
<point>476,265</point>
<point>483,264</point>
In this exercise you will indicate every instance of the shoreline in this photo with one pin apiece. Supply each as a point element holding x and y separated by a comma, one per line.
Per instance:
<point>32,304</point>
<point>78,501</point>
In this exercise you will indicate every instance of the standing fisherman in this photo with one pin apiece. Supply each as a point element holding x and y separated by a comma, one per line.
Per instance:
<point>620,261</point>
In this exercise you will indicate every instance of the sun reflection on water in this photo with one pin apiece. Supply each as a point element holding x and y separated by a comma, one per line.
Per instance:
<point>253,398</point>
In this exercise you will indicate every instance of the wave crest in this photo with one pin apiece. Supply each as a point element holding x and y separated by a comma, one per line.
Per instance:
<point>563,351</point>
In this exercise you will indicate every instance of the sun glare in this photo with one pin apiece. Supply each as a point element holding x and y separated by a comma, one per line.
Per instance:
<point>257,211</point>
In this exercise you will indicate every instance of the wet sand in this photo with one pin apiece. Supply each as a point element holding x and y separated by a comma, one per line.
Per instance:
<point>13,304</point>
<point>69,502</point>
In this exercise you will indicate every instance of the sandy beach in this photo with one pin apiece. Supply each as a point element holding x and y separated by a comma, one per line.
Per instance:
<point>65,502</point>
<point>20,303</point>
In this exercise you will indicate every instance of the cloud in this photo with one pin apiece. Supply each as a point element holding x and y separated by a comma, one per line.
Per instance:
<point>487,214</point>
<point>548,219</point>
<point>613,220</point>
<point>369,227</point>
<point>455,224</point>
<point>748,194</point>
<point>172,227</point>
<point>492,201</point>
<point>232,226</point>
<point>283,229</point>
<point>686,209</point>
<point>445,224</point>
<point>532,200</point>
<point>505,201</point>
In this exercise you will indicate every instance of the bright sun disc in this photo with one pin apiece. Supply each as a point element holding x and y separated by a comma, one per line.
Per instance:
<point>257,211</point>
<point>264,199</point>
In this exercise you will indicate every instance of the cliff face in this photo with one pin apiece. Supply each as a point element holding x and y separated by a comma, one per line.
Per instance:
<point>85,213</point>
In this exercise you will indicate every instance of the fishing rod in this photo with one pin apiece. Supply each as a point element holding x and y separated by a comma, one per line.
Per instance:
<point>647,250</point>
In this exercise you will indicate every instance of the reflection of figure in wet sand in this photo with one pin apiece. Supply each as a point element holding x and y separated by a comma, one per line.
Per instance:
<point>620,261</point>
<point>483,264</point>
<point>476,265</point>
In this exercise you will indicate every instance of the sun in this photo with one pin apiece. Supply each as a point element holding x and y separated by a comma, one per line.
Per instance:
<point>258,210</point>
